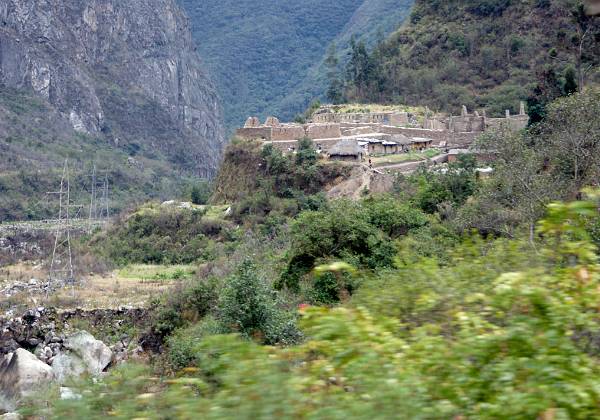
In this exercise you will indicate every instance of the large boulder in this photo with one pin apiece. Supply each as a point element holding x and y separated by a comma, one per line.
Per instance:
<point>84,354</point>
<point>67,365</point>
<point>21,374</point>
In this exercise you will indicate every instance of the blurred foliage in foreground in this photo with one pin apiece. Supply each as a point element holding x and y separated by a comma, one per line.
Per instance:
<point>500,329</point>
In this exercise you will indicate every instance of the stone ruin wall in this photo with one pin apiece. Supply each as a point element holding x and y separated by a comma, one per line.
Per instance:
<point>374,117</point>
<point>254,133</point>
<point>454,131</point>
<point>285,145</point>
<point>399,118</point>
<point>515,122</point>
<point>323,131</point>
<point>466,124</point>
<point>287,132</point>
<point>283,132</point>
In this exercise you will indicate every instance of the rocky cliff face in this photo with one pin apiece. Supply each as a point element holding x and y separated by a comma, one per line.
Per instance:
<point>124,71</point>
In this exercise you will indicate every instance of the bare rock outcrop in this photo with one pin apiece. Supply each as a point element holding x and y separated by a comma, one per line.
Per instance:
<point>123,70</point>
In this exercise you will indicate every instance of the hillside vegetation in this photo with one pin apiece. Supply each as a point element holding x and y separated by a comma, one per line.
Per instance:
<point>452,297</point>
<point>266,55</point>
<point>35,140</point>
<point>484,54</point>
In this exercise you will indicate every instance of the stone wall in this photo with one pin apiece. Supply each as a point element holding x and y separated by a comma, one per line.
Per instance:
<point>323,131</point>
<point>436,135</point>
<point>373,117</point>
<point>515,122</point>
<point>286,145</point>
<point>358,131</point>
<point>435,124</point>
<point>254,133</point>
<point>467,124</point>
<point>399,119</point>
<point>287,132</point>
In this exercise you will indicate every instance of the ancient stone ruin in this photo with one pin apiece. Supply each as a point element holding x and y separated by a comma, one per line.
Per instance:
<point>388,132</point>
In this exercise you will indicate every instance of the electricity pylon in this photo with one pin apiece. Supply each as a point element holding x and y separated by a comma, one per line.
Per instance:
<point>99,206</point>
<point>61,267</point>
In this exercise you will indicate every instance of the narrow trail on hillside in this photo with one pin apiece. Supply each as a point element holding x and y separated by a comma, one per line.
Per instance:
<point>365,182</point>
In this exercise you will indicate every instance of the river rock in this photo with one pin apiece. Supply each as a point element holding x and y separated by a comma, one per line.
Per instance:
<point>84,354</point>
<point>68,394</point>
<point>21,374</point>
<point>66,366</point>
<point>95,354</point>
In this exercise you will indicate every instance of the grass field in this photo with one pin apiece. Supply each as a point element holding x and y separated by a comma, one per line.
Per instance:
<point>373,108</point>
<point>404,157</point>
<point>134,285</point>
<point>143,272</point>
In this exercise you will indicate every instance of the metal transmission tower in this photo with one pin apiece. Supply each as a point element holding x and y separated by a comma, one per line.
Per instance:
<point>99,206</point>
<point>61,267</point>
<point>104,200</point>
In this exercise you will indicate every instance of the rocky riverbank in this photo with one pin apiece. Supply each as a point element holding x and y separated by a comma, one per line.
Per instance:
<point>44,346</point>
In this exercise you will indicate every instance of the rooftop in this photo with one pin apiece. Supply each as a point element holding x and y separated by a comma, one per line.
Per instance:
<point>346,147</point>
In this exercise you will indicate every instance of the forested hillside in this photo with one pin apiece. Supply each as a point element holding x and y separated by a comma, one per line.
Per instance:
<point>266,55</point>
<point>489,53</point>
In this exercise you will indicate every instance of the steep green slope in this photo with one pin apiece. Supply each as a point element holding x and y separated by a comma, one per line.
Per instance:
<point>265,54</point>
<point>481,53</point>
<point>371,21</point>
<point>35,139</point>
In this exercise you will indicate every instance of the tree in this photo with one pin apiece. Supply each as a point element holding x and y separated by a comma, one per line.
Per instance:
<point>248,306</point>
<point>200,193</point>
<point>335,90</point>
<point>570,81</point>
<point>572,132</point>
<point>548,89</point>
<point>586,49</point>
<point>519,190</point>
<point>360,69</point>
<point>306,155</point>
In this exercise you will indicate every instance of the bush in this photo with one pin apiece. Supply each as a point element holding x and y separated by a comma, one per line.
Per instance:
<point>182,345</point>
<point>249,307</point>
<point>497,331</point>
<point>354,232</point>
<point>193,302</point>
<point>200,193</point>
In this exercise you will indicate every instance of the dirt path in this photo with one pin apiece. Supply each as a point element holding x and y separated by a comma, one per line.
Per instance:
<point>365,183</point>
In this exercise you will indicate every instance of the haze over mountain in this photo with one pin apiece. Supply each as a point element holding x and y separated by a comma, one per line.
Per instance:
<point>266,55</point>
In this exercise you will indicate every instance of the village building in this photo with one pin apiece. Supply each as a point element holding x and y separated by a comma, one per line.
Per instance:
<point>419,144</point>
<point>347,150</point>
<point>455,153</point>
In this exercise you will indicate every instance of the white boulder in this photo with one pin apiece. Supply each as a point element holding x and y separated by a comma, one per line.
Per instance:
<point>84,354</point>
<point>21,374</point>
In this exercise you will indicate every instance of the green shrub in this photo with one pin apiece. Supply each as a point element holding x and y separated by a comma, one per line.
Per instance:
<point>182,344</point>
<point>342,230</point>
<point>249,307</point>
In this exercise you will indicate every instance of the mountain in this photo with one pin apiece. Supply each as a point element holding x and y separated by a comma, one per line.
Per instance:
<point>484,54</point>
<point>267,55</point>
<point>119,83</point>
